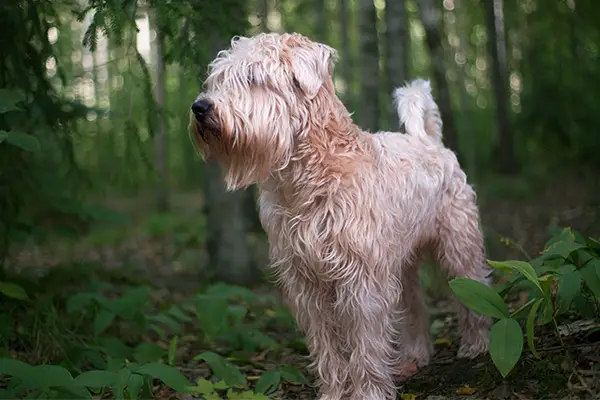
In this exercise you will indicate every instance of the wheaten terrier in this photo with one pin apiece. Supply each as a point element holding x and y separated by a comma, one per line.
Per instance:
<point>348,214</point>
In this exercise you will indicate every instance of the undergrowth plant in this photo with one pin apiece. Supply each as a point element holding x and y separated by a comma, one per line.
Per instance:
<point>565,278</point>
<point>111,350</point>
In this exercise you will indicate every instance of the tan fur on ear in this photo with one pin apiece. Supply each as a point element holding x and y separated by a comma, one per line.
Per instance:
<point>311,65</point>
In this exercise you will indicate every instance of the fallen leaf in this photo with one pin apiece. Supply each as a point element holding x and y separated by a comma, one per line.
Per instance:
<point>408,396</point>
<point>465,390</point>
<point>253,378</point>
<point>445,341</point>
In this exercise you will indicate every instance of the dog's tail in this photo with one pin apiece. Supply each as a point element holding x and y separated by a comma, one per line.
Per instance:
<point>417,110</point>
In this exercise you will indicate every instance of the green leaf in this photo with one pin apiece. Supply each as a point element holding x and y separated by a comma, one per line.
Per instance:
<point>52,375</point>
<point>79,301</point>
<point>13,291</point>
<point>178,313</point>
<point>204,387</point>
<point>96,379</point>
<point>103,320</point>
<point>9,99</point>
<point>591,276</point>
<point>530,327</point>
<point>569,286</point>
<point>167,374</point>
<point>134,385</point>
<point>524,268</point>
<point>292,375</point>
<point>222,369</point>
<point>268,382</point>
<point>172,349</point>
<point>479,297</point>
<point>506,345</point>
<point>562,249</point>
<point>22,140</point>
<point>3,135</point>
<point>18,369</point>
<point>211,312</point>
<point>147,353</point>
<point>119,386</point>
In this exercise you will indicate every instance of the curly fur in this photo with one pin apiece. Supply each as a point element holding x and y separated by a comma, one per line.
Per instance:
<point>348,214</point>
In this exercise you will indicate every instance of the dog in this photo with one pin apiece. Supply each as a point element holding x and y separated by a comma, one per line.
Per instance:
<point>349,214</point>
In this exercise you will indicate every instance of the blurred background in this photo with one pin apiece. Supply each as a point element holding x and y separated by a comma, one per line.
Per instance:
<point>97,164</point>
<point>100,184</point>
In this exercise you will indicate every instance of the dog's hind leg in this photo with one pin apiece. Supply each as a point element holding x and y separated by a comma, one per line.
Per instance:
<point>412,323</point>
<point>460,249</point>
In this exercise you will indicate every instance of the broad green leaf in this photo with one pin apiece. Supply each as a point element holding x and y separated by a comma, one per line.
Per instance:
<point>119,386</point>
<point>591,276</point>
<point>52,375</point>
<point>147,353</point>
<point>24,141</point>
<point>506,345</point>
<point>164,319</point>
<point>18,369</point>
<point>292,375</point>
<point>211,312</point>
<point>222,369</point>
<point>103,320</point>
<point>115,348</point>
<point>569,286</point>
<point>168,375</point>
<point>268,382</point>
<point>134,385</point>
<point>230,291</point>
<point>9,99</point>
<point>178,313</point>
<point>79,301</point>
<point>96,379</point>
<point>530,327</point>
<point>524,268</point>
<point>479,297</point>
<point>13,291</point>
<point>562,249</point>
<point>172,350</point>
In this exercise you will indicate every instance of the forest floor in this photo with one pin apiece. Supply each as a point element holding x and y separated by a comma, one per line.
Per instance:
<point>164,252</point>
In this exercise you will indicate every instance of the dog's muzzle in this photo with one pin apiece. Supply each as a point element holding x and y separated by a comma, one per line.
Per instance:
<point>200,108</point>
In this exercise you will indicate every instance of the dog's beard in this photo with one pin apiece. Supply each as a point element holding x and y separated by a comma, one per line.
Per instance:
<point>248,148</point>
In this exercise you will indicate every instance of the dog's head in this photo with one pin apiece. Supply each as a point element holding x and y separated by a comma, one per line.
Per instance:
<point>256,99</point>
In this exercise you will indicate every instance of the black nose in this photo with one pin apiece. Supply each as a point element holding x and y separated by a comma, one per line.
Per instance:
<point>200,108</point>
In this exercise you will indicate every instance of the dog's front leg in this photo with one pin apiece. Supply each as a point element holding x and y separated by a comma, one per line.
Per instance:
<point>363,311</point>
<point>312,306</point>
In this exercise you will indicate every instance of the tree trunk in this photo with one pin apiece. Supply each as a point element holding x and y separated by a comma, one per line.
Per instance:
<point>463,27</point>
<point>430,16</point>
<point>227,222</point>
<point>321,14</point>
<point>497,46</point>
<point>263,11</point>
<point>368,112</point>
<point>162,190</point>
<point>397,40</point>
<point>347,64</point>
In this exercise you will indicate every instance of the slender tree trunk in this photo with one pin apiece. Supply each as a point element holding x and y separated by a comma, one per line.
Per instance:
<point>430,16</point>
<point>321,13</point>
<point>397,42</point>
<point>463,26</point>
<point>368,112</point>
<point>347,64</point>
<point>162,190</point>
<point>227,222</point>
<point>497,47</point>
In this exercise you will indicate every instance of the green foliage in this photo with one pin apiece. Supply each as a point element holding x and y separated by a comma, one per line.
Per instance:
<point>567,270</point>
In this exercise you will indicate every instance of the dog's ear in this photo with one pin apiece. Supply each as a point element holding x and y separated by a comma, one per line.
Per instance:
<point>311,65</point>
